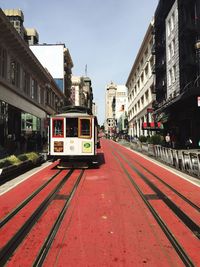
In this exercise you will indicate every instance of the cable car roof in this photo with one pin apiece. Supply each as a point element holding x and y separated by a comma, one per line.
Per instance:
<point>76,109</point>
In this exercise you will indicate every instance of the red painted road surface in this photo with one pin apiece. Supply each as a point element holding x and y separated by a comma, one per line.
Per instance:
<point>107,223</point>
<point>13,198</point>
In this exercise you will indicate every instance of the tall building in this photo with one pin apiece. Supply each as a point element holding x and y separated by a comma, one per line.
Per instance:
<point>28,93</point>
<point>77,85</point>
<point>94,109</point>
<point>177,60</point>
<point>81,92</point>
<point>110,99</point>
<point>87,93</point>
<point>57,60</point>
<point>140,84</point>
<point>116,108</point>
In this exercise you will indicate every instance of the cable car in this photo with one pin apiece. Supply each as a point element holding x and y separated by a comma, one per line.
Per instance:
<point>73,137</point>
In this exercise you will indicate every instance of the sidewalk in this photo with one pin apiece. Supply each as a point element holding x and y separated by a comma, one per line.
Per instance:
<point>19,179</point>
<point>185,173</point>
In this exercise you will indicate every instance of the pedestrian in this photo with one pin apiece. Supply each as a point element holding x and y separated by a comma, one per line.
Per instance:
<point>189,143</point>
<point>38,141</point>
<point>22,141</point>
<point>173,140</point>
<point>167,140</point>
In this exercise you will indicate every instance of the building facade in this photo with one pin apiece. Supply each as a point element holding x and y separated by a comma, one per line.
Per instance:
<point>16,18</point>
<point>57,60</point>
<point>177,61</point>
<point>87,93</point>
<point>140,84</point>
<point>81,92</point>
<point>116,109</point>
<point>76,89</point>
<point>28,94</point>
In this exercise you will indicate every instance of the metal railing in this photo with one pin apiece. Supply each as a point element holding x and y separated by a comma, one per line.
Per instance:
<point>184,160</point>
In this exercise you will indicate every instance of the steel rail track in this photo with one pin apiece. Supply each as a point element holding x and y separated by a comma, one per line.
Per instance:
<point>182,215</point>
<point>171,188</point>
<point>26,201</point>
<point>46,246</point>
<point>167,185</point>
<point>7,251</point>
<point>180,251</point>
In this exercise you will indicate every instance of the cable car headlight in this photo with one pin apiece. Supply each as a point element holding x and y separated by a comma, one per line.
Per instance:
<point>71,148</point>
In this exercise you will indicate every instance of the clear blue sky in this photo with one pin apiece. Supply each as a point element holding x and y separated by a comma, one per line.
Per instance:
<point>104,34</point>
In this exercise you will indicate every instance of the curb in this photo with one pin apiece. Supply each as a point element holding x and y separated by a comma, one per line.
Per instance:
<point>25,165</point>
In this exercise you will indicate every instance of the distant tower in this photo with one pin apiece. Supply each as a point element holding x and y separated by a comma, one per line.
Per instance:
<point>111,91</point>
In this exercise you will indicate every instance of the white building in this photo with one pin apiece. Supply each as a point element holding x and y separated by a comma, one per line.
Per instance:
<point>140,84</point>
<point>57,60</point>
<point>77,84</point>
<point>172,52</point>
<point>116,108</point>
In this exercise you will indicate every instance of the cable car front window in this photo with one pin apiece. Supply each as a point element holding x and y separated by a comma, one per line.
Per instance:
<point>58,127</point>
<point>71,127</point>
<point>85,129</point>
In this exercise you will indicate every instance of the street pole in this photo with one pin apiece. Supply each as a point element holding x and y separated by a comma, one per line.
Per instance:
<point>197,46</point>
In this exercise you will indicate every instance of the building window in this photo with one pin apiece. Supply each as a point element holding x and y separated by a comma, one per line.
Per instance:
<point>172,21</point>
<point>142,78</point>
<point>147,95</point>
<point>48,97</point>
<point>170,77</point>
<point>3,62</point>
<point>138,84</point>
<point>151,63</point>
<point>42,95</point>
<point>32,89</point>
<point>173,47</point>
<point>30,123</point>
<point>141,63</point>
<point>142,101</point>
<point>35,90</point>
<point>168,27</point>
<point>14,72</point>
<point>169,51</point>
<point>26,83</point>
<point>146,53</point>
<point>174,73</point>
<point>146,70</point>
<point>39,94</point>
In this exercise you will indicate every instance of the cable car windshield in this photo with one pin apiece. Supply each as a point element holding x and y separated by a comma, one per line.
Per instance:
<point>58,127</point>
<point>71,127</point>
<point>85,127</point>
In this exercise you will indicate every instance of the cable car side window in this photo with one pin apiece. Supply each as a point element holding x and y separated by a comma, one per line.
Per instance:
<point>85,127</point>
<point>71,127</point>
<point>58,127</point>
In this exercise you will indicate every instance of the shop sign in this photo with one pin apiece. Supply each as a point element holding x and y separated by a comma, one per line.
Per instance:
<point>152,126</point>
